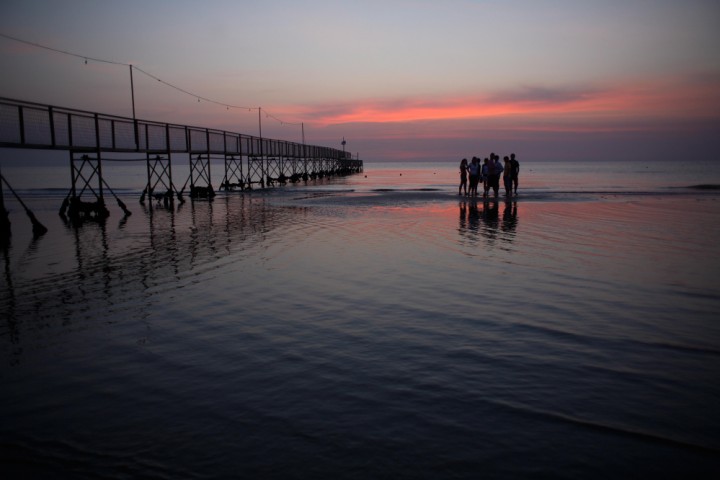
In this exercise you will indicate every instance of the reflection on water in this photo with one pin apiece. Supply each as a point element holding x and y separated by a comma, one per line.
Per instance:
<point>341,336</point>
<point>483,218</point>
<point>96,272</point>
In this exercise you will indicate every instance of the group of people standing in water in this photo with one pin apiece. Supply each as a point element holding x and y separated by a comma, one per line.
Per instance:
<point>489,173</point>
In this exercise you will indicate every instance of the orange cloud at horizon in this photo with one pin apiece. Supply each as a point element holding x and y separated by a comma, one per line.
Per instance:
<point>672,98</point>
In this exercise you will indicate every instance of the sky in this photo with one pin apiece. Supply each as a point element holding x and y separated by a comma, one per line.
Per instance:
<point>398,79</point>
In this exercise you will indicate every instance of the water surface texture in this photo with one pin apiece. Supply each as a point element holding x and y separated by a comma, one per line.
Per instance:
<point>375,326</point>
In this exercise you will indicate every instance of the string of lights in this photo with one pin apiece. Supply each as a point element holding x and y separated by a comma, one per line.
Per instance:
<point>269,115</point>
<point>84,57</point>
<point>181,90</point>
<point>150,75</point>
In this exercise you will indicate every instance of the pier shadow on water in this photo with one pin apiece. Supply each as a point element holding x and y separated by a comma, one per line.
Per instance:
<point>87,273</point>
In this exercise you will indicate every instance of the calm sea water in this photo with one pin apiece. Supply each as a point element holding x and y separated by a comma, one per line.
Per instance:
<point>374,326</point>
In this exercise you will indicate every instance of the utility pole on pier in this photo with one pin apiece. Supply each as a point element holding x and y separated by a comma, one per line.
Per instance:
<point>260,121</point>
<point>132,96</point>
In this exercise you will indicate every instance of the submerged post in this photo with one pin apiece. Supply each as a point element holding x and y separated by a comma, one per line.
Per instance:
<point>4,214</point>
<point>38,228</point>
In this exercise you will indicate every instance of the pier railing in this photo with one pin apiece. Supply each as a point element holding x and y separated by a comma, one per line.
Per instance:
<point>89,137</point>
<point>31,125</point>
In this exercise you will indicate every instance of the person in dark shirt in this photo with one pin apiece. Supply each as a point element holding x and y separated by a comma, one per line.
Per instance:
<point>514,171</point>
<point>507,176</point>
<point>495,170</point>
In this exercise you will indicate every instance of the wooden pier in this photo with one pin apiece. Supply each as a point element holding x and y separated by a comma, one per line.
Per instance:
<point>90,138</point>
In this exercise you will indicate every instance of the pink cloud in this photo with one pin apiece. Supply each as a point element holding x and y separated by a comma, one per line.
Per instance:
<point>697,97</point>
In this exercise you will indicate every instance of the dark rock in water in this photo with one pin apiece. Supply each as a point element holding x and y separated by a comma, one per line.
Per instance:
<point>705,187</point>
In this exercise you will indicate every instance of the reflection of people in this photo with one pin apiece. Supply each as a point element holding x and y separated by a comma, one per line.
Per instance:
<point>469,219</point>
<point>509,218</point>
<point>463,176</point>
<point>515,171</point>
<point>473,217</point>
<point>507,177</point>
<point>483,219</point>
<point>491,215</point>
<point>474,170</point>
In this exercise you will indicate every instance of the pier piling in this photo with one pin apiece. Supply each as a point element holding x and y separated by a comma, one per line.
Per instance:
<point>38,228</point>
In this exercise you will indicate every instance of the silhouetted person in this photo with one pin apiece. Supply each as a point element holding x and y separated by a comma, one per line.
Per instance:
<point>495,169</point>
<point>474,170</point>
<point>515,171</point>
<point>498,173</point>
<point>463,176</point>
<point>485,176</point>
<point>507,177</point>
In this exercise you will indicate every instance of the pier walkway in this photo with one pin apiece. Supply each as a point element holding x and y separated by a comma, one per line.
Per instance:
<point>90,138</point>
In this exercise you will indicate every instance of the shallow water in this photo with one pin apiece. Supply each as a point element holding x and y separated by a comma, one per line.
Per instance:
<point>369,327</point>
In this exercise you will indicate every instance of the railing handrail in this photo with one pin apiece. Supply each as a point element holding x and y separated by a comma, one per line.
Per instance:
<point>138,125</point>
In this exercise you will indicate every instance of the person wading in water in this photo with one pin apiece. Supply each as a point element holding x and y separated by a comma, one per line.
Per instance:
<point>463,176</point>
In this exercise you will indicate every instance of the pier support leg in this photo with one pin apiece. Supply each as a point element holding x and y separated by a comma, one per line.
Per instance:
<point>159,173</point>
<point>233,173</point>
<point>273,171</point>
<point>200,184</point>
<point>256,171</point>
<point>85,170</point>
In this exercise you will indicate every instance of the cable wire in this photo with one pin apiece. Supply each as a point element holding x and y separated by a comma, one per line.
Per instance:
<point>175,87</point>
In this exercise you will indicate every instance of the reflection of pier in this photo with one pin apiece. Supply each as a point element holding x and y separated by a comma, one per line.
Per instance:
<point>111,274</point>
<point>90,137</point>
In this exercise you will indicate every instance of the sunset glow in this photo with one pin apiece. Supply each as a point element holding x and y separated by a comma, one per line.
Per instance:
<point>388,76</point>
